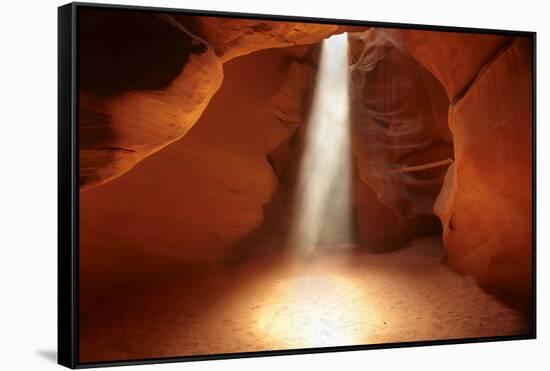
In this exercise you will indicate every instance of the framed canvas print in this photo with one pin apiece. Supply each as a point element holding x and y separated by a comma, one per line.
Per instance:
<point>235,185</point>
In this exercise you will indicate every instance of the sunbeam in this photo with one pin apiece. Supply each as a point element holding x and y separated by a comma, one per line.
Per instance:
<point>323,199</point>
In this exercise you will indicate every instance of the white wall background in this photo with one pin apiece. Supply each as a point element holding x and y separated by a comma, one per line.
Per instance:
<point>28,150</point>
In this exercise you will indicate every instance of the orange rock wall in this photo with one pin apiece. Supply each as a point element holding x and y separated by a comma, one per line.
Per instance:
<point>399,120</point>
<point>485,203</point>
<point>192,201</point>
<point>485,200</point>
<point>144,82</point>
<point>235,37</point>
<point>453,58</point>
<point>146,79</point>
<point>421,101</point>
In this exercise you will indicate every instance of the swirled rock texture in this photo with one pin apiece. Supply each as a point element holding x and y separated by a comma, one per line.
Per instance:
<point>403,81</point>
<point>485,204</point>
<point>399,117</point>
<point>144,82</point>
<point>454,58</point>
<point>145,79</point>
<point>434,115</point>
<point>235,37</point>
<point>191,202</point>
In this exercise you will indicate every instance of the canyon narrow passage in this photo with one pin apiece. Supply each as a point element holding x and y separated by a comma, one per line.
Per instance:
<point>280,185</point>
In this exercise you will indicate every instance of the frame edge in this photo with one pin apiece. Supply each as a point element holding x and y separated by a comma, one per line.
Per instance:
<point>67,334</point>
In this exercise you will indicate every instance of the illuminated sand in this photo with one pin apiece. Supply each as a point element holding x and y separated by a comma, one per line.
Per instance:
<point>334,298</point>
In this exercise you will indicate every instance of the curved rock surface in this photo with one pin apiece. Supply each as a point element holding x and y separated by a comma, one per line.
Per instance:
<point>144,82</point>
<point>246,149</point>
<point>485,203</point>
<point>399,117</point>
<point>454,58</point>
<point>130,109</point>
<point>199,196</point>
<point>235,37</point>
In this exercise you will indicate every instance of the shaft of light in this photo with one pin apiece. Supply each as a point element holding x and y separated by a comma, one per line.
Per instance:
<point>323,202</point>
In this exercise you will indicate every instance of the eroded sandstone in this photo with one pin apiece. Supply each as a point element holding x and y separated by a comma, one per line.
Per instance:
<point>137,94</point>
<point>400,138</point>
<point>485,203</point>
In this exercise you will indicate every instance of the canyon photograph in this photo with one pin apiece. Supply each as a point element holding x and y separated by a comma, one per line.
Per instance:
<point>258,185</point>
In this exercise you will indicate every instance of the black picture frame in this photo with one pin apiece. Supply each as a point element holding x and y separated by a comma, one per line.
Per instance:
<point>68,184</point>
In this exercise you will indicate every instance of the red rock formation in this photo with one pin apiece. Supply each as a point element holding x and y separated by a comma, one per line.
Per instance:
<point>122,97</point>
<point>144,82</point>
<point>234,37</point>
<point>197,197</point>
<point>453,58</point>
<point>485,203</point>
<point>209,189</point>
<point>381,227</point>
<point>399,126</point>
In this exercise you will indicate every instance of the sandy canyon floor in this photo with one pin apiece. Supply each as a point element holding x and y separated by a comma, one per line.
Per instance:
<point>335,297</point>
